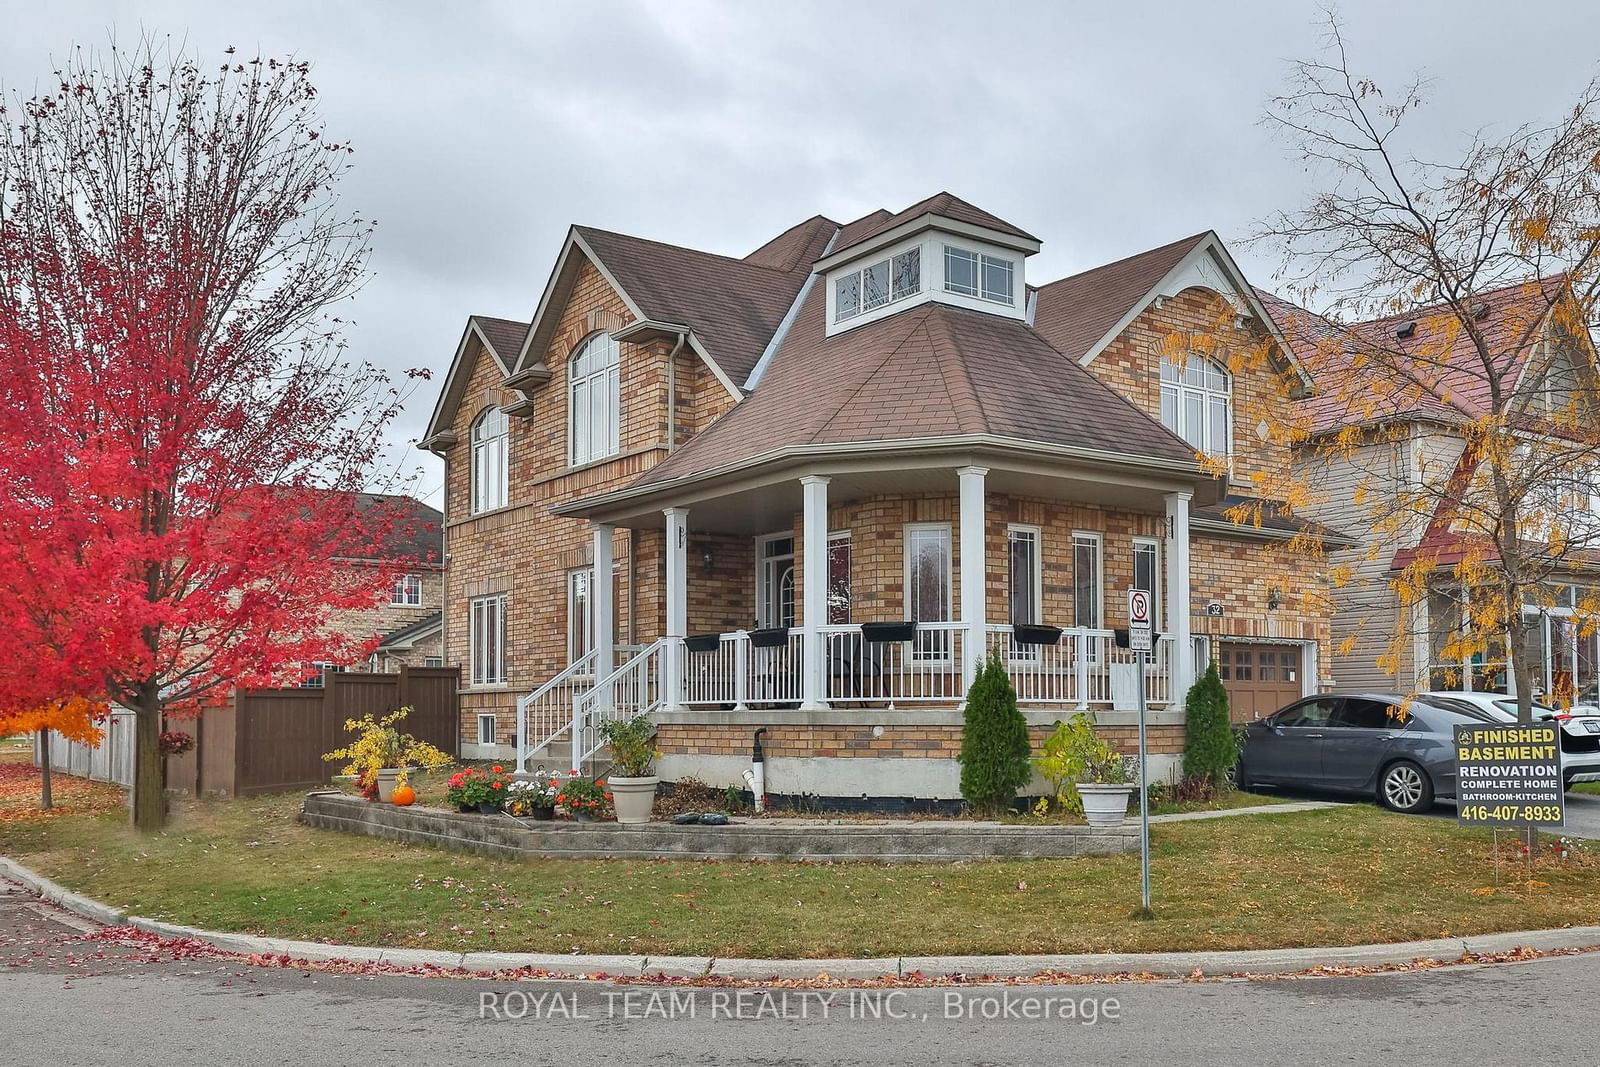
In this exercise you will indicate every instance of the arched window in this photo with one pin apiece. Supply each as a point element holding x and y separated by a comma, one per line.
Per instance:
<point>1197,403</point>
<point>489,456</point>
<point>594,400</point>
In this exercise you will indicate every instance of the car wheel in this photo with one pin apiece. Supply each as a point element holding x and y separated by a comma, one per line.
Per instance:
<point>1404,787</point>
<point>1241,777</point>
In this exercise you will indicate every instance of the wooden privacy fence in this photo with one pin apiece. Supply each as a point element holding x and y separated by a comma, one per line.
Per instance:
<point>272,740</point>
<point>112,761</point>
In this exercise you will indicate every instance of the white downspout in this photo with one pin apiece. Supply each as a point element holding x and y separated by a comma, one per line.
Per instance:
<point>672,392</point>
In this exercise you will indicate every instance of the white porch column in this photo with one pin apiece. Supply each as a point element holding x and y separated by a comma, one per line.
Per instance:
<point>677,606</point>
<point>603,614</point>
<point>974,585</point>
<point>1178,597</point>
<point>814,571</point>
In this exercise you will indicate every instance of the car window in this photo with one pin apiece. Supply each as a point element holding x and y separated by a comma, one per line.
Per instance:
<point>1361,714</point>
<point>1540,711</point>
<point>1308,713</point>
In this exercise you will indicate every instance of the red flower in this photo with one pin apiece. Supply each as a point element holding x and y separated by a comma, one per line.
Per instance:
<point>497,785</point>
<point>497,769</point>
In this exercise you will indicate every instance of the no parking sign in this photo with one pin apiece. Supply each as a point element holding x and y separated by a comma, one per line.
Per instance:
<point>1139,624</point>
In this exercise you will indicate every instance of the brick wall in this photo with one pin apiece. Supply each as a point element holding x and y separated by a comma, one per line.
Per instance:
<point>844,742</point>
<point>524,551</point>
<point>1194,318</point>
<point>385,617</point>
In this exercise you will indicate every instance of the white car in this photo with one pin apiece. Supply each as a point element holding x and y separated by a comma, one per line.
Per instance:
<point>1580,730</point>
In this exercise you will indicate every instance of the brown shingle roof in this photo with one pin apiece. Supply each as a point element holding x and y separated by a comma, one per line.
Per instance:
<point>930,371</point>
<point>1445,356</point>
<point>733,305</point>
<point>799,246</point>
<point>504,335</point>
<point>945,204</point>
<point>1076,312</point>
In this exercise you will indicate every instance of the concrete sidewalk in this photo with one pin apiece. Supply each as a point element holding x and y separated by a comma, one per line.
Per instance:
<point>1159,964</point>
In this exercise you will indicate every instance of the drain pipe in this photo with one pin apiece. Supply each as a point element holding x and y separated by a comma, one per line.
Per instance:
<point>756,777</point>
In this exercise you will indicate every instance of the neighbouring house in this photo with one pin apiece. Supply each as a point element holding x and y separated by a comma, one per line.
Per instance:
<point>408,623</point>
<point>1415,445</point>
<point>806,489</point>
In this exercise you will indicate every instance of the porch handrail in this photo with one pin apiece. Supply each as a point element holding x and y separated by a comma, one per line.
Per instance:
<point>550,707</point>
<point>1082,669</point>
<point>635,688</point>
<point>925,669</point>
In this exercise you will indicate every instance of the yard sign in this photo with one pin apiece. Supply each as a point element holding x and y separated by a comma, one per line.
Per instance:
<point>1509,774</point>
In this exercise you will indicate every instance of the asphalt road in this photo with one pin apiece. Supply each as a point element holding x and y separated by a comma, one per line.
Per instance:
<point>68,998</point>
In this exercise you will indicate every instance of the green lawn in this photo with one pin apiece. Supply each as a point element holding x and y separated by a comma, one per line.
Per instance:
<point>1592,788</point>
<point>1352,874</point>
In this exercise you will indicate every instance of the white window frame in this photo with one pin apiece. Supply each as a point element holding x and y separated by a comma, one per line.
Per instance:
<point>579,639</point>
<point>433,661</point>
<point>1014,531</point>
<point>835,539</point>
<point>1180,389</point>
<point>490,468</point>
<point>1154,545</point>
<point>481,612</point>
<point>486,718</point>
<point>407,591</point>
<point>930,648</point>
<point>887,261</point>
<point>585,442</point>
<point>1096,538</point>
<point>982,261</point>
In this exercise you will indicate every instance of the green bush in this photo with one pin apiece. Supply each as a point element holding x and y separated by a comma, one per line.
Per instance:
<point>994,741</point>
<point>1210,749</point>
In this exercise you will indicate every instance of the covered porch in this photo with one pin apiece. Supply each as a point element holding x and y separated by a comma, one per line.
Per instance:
<point>877,584</point>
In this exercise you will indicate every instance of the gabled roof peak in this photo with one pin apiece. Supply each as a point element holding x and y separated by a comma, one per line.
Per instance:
<point>941,205</point>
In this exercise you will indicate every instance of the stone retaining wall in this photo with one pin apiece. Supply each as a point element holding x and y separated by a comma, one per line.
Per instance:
<point>889,841</point>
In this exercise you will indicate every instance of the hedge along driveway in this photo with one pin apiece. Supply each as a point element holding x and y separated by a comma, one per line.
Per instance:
<point>1348,875</point>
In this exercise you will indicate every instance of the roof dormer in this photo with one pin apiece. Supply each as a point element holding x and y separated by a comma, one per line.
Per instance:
<point>942,249</point>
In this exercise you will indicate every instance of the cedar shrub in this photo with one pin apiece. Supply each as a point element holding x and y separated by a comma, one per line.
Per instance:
<point>994,741</point>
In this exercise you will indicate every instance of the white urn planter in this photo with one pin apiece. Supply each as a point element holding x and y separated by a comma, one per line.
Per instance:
<point>387,779</point>
<point>1105,805</point>
<point>633,798</point>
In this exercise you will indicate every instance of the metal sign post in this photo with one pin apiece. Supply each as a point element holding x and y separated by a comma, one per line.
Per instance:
<point>1140,640</point>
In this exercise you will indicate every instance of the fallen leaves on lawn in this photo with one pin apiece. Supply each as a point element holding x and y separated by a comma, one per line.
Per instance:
<point>19,794</point>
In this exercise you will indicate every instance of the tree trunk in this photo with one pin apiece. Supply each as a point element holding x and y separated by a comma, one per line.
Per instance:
<point>46,802</point>
<point>149,778</point>
<point>1517,636</point>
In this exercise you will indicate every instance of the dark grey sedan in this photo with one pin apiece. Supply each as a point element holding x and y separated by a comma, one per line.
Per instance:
<point>1357,743</point>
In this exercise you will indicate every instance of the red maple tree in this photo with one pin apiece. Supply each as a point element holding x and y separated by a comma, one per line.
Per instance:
<point>183,440</point>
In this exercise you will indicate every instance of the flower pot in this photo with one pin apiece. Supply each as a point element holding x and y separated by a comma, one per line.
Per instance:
<point>1105,805</point>
<point>387,776</point>
<point>632,797</point>
<point>703,642</point>
<point>888,632</point>
<point>467,809</point>
<point>769,637</point>
<point>544,813</point>
<point>488,807</point>
<point>1029,634</point>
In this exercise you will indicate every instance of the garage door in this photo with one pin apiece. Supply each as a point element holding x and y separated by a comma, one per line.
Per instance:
<point>1259,679</point>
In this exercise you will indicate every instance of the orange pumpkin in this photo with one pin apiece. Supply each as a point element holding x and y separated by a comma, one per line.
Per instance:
<point>403,796</point>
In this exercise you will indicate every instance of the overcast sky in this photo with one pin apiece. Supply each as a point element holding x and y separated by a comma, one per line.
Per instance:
<point>484,129</point>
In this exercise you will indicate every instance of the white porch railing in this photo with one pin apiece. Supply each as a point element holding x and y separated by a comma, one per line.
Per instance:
<point>635,688</point>
<point>1084,668</point>
<point>545,714</point>
<point>741,674</point>
<point>925,669</point>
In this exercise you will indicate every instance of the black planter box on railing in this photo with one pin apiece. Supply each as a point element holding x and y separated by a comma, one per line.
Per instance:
<point>702,642</point>
<point>1032,634</point>
<point>886,632</point>
<point>769,637</point>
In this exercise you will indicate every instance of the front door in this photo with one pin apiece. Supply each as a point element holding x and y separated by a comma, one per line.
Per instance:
<point>1259,679</point>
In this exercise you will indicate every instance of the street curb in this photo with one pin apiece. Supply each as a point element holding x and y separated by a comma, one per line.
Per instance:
<point>1154,964</point>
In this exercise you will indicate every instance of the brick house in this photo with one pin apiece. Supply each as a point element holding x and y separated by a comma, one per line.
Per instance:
<point>409,624</point>
<point>1417,443</point>
<point>882,421</point>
